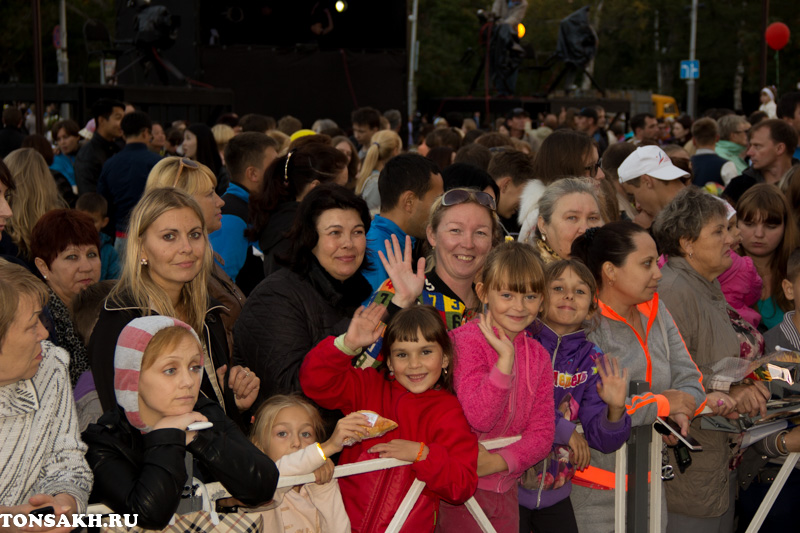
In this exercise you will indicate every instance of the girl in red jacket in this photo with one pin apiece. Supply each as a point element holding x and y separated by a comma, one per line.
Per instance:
<point>414,391</point>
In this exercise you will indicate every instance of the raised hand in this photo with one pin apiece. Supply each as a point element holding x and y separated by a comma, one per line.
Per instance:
<point>499,342</point>
<point>364,328</point>
<point>407,284</point>
<point>613,386</point>
<point>350,427</point>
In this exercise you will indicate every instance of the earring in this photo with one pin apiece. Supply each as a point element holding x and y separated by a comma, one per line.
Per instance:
<point>143,261</point>
<point>45,277</point>
<point>544,237</point>
<point>391,373</point>
<point>690,255</point>
<point>611,282</point>
<point>445,370</point>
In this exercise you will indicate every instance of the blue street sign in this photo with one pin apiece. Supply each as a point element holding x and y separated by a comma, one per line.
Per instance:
<point>690,70</point>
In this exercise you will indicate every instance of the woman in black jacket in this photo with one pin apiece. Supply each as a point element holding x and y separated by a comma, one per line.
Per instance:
<point>145,459</point>
<point>165,271</point>
<point>292,310</point>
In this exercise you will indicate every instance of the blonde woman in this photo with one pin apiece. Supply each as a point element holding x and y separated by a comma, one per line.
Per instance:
<point>384,145</point>
<point>165,271</point>
<point>222,134</point>
<point>35,194</point>
<point>199,182</point>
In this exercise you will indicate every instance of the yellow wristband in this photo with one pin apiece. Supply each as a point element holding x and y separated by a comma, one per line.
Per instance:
<point>421,450</point>
<point>319,448</point>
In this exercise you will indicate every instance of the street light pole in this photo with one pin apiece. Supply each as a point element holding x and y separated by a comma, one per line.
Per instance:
<point>413,50</point>
<point>691,83</point>
<point>61,53</point>
<point>37,67</point>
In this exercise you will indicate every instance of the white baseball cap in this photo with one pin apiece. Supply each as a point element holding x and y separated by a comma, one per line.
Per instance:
<point>650,160</point>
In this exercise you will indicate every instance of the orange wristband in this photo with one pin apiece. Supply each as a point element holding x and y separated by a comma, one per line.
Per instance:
<point>421,450</point>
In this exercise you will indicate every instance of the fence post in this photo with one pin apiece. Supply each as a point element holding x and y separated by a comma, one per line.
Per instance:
<point>638,468</point>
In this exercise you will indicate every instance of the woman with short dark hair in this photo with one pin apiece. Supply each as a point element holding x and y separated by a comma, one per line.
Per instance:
<point>315,296</point>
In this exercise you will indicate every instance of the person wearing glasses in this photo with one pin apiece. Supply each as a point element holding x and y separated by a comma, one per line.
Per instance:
<point>564,154</point>
<point>286,182</point>
<point>462,229</point>
<point>123,176</point>
<point>732,145</point>
<point>165,271</point>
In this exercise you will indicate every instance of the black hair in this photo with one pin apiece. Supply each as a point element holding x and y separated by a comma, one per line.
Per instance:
<point>304,237</point>
<point>639,121</point>
<point>368,116</point>
<point>135,123</point>
<point>612,242</point>
<point>405,172</point>
<point>787,105</point>
<point>288,176</point>
<point>104,107</point>
<point>464,175</point>
<point>246,150</point>
<point>207,152</point>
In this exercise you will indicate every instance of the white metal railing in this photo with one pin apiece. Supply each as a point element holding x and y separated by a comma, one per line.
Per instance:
<point>216,491</point>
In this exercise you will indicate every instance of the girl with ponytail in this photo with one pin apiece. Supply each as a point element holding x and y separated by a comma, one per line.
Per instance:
<point>385,145</point>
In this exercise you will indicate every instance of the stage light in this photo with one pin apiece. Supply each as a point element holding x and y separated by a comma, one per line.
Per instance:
<point>341,6</point>
<point>521,30</point>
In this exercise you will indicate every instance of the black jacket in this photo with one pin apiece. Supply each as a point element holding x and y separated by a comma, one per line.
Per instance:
<point>113,319</point>
<point>273,241</point>
<point>90,160</point>
<point>145,473</point>
<point>288,314</point>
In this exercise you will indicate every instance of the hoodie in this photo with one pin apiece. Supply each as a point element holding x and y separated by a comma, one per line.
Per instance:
<point>576,399</point>
<point>499,405</point>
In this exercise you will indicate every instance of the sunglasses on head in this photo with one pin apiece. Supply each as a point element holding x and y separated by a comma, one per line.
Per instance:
<point>459,196</point>
<point>185,162</point>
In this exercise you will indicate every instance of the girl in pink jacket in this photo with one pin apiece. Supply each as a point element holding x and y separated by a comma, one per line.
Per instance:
<point>504,381</point>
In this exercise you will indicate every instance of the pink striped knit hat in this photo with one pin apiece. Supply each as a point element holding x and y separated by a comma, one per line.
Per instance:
<point>131,345</point>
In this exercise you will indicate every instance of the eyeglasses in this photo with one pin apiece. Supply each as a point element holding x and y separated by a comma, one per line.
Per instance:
<point>185,162</point>
<point>459,196</point>
<point>593,168</point>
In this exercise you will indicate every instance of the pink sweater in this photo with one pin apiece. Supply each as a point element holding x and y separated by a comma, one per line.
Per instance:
<point>499,405</point>
<point>741,286</point>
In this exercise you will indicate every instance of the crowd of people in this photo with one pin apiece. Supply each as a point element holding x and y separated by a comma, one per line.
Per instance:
<point>185,304</point>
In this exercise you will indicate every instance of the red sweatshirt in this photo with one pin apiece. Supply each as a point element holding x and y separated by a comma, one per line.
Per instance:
<point>433,417</point>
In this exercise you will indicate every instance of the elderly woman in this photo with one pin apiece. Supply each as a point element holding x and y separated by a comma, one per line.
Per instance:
<point>563,154</point>
<point>165,271</point>
<point>567,209</point>
<point>693,232</point>
<point>40,447</point>
<point>65,247</point>
<point>292,310</point>
<point>637,328</point>
<point>34,194</point>
<point>286,182</point>
<point>198,180</point>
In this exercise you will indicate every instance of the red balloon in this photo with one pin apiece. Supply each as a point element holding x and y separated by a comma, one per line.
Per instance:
<point>777,35</point>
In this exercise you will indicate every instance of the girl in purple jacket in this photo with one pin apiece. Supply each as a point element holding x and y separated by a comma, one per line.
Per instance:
<point>588,389</point>
<point>503,380</point>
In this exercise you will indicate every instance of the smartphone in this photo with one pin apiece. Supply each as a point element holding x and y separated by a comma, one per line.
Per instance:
<point>669,426</point>
<point>43,511</point>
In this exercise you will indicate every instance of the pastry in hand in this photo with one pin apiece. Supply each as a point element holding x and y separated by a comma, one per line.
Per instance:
<point>380,426</point>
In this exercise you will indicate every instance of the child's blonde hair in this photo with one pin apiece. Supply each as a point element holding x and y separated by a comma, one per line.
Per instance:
<point>516,267</point>
<point>266,414</point>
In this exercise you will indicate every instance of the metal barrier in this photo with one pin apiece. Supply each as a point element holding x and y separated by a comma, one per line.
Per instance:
<point>216,491</point>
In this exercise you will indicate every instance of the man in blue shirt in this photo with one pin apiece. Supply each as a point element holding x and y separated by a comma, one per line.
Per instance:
<point>408,186</point>
<point>124,175</point>
<point>247,156</point>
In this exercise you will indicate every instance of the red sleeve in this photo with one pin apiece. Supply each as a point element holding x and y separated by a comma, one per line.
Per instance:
<point>450,470</point>
<point>329,378</point>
